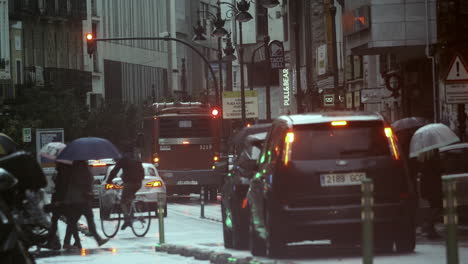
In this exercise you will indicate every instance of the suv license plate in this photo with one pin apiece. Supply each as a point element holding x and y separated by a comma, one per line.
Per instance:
<point>341,179</point>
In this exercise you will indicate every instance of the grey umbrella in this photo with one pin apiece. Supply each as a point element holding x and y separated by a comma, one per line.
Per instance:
<point>431,136</point>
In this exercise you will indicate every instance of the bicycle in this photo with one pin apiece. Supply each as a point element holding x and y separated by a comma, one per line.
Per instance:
<point>140,217</point>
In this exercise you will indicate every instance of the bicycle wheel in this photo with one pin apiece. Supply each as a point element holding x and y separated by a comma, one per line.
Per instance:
<point>110,220</point>
<point>141,218</point>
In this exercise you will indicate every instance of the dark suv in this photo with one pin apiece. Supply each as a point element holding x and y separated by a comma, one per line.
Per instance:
<point>246,146</point>
<point>308,183</point>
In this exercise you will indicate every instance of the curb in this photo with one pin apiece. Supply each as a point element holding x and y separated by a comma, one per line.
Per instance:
<point>203,254</point>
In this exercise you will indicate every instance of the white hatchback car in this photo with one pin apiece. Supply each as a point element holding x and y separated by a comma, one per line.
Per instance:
<point>151,185</point>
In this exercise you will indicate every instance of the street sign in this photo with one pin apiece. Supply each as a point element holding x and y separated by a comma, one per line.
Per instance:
<point>276,54</point>
<point>27,135</point>
<point>456,93</point>
<point>458,71</point>
<point>232,107</point>
<point>328,100</point>
<point>456,82</point>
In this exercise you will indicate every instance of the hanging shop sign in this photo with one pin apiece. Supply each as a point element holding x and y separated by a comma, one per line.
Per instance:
<point>276,54</point>
<point>286,88</point>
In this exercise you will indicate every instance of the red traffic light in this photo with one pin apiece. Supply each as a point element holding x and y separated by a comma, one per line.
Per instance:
<point>215,112</point>
<point>89,36</point>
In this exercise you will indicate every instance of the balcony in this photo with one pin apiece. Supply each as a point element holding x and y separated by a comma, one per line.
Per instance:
<point>20,8</point>
<point>50,8</point>
<point>78,9</point>
<point>373,26</point>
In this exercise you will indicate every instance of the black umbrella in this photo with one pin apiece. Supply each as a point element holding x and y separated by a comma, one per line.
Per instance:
<point>88,148</point>
<point>405,128</point>
<point>409,123</point>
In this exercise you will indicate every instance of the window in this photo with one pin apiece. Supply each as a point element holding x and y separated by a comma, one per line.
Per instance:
<point>19,72</point>
<point>170,127</point>
<point>356,140</point>
<point>262,20</point>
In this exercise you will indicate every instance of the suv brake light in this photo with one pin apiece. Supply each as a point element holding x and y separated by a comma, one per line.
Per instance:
<point>392,143</point>
<point>339,123</point>
<point>288,140</point>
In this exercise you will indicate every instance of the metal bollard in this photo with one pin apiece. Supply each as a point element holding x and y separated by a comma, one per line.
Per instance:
<point>450,219</point>
<point>161,204</point>
<point>367,217</point>
<point>202,202</point>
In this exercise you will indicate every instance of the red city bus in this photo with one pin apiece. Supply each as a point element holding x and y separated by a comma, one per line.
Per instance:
<point>182,140</point>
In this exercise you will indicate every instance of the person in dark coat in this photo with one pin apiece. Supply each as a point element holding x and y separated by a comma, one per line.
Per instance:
<point>133,174</point>
<point>431,189</point>
<point>79,197</point>
<point>57,203</point>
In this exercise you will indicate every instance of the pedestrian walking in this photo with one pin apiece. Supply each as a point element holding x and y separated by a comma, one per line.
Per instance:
<point>78,199</point>
<point>431,189</point>
<point>132,175</point>
<point>57,203</point>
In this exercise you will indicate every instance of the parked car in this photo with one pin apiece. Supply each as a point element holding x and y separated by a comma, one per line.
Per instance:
<point>151,185</point>
<point>233,201</point>
<point>308,183</point>
<point>454,161</point>
<point>98,169</point>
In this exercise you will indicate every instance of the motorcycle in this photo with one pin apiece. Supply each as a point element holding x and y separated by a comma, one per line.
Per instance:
<point>25,199</point>
<point>12,247</point>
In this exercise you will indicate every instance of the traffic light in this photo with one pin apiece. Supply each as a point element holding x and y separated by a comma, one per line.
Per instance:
<point>90,43</point>
<point>215,112</point>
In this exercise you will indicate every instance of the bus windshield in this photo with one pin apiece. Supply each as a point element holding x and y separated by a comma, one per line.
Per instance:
<point>185,127</point>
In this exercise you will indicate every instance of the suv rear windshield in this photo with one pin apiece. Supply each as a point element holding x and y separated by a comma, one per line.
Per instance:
<point>355,140</point>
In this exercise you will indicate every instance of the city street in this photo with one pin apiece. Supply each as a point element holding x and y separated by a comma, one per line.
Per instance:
<point>185,228</point>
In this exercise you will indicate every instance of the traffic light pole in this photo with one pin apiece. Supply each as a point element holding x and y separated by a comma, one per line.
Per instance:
<point>180,41</point>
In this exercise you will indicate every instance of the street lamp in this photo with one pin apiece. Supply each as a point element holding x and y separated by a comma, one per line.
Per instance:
<point>218,32</point>
<point>241,13</point>
<point>270,3</point>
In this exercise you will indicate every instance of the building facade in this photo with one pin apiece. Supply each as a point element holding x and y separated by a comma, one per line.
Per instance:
<point>45,45</point>
<point>132,71</point>
<point>6,88</point>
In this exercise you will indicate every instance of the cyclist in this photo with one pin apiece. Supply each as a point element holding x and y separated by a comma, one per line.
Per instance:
<point>133,174</point>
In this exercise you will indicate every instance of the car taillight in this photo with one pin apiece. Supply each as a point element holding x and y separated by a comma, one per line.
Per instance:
<point>111,186</point>
<point>288,140</point>
<point>392,142</point>
<point>152,184</point>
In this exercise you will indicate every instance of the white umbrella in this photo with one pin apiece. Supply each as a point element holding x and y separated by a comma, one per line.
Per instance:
<point>52,150</point>
<point>431,136</point>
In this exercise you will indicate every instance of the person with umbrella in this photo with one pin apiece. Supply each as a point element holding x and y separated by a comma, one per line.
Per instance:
<point>79,196</point>
<point>425,144</point>
<point>133,174</point>
<point>79,192</point>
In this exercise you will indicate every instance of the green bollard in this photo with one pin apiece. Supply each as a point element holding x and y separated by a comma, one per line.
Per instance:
<point>161,203</point>
<point>450,219</point>
<point>202,202</point>
<point>367,217</point>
